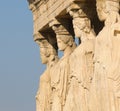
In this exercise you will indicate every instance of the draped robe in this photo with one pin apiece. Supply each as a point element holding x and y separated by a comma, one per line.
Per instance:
<point>81,72</point>
<point>105,89</point>
<point>59,79</point>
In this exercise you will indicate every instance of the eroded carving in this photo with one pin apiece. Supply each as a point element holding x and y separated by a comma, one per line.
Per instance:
<point>49,57</point>
<point>81,63</point>
<point>87,77</point>
<point>104,87</point>
<point>59,80</point>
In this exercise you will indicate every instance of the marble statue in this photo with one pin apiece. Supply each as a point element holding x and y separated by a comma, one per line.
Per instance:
<point>81,64</point>
<point>49,57</point>
<point>60,71</point>
<point>105,88</point>
<point>87,76</point>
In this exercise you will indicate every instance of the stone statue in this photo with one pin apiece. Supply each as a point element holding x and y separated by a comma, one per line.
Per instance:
<point>81,63</point>
<point>105,89</point>
<point>60,71</point>
<point>87,77</point>
<point>49,57</point>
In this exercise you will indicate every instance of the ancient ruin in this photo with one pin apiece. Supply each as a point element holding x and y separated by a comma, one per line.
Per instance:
<point>87,76</point>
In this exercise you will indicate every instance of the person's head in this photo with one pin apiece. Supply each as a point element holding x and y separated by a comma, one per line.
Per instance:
<point>63,36</point>
<point>65,41</point>
<point>48,47</point>
<point>81,25</point>
<point>106,7</point>
<point>47,51</point>
<point>101,10</point>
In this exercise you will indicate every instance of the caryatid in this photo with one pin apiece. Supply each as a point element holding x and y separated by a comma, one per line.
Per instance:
<point>81,62</point>
<point>48,54</point>
<point>105,90</point>
<point>60,73</point>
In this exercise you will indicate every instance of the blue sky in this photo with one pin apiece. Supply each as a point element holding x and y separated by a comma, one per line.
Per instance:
<point>20,65</point>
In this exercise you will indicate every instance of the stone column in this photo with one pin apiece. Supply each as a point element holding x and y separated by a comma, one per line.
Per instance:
<point>81,60</point>
<point>60,73</point>
<point>48,52</point>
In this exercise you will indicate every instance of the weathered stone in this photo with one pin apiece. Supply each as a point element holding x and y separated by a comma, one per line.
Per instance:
<point>87,77</point>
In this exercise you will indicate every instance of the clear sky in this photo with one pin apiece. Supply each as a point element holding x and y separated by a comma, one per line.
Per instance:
<point>20,65</point>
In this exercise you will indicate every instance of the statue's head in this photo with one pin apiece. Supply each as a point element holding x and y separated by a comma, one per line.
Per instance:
<point>48,48</point>
<point>82,15</point>
<point>64,38</point>
<point>45,50</point>
<point>63,35</point>
<point>81,25</point>
<point>105,7</point>
<point>65,41</point>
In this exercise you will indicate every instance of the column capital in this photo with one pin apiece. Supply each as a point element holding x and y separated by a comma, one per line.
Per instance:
<point>38,36</point>
<point>81,9</point>
<point>60,27</point>
<point>46,36</point>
